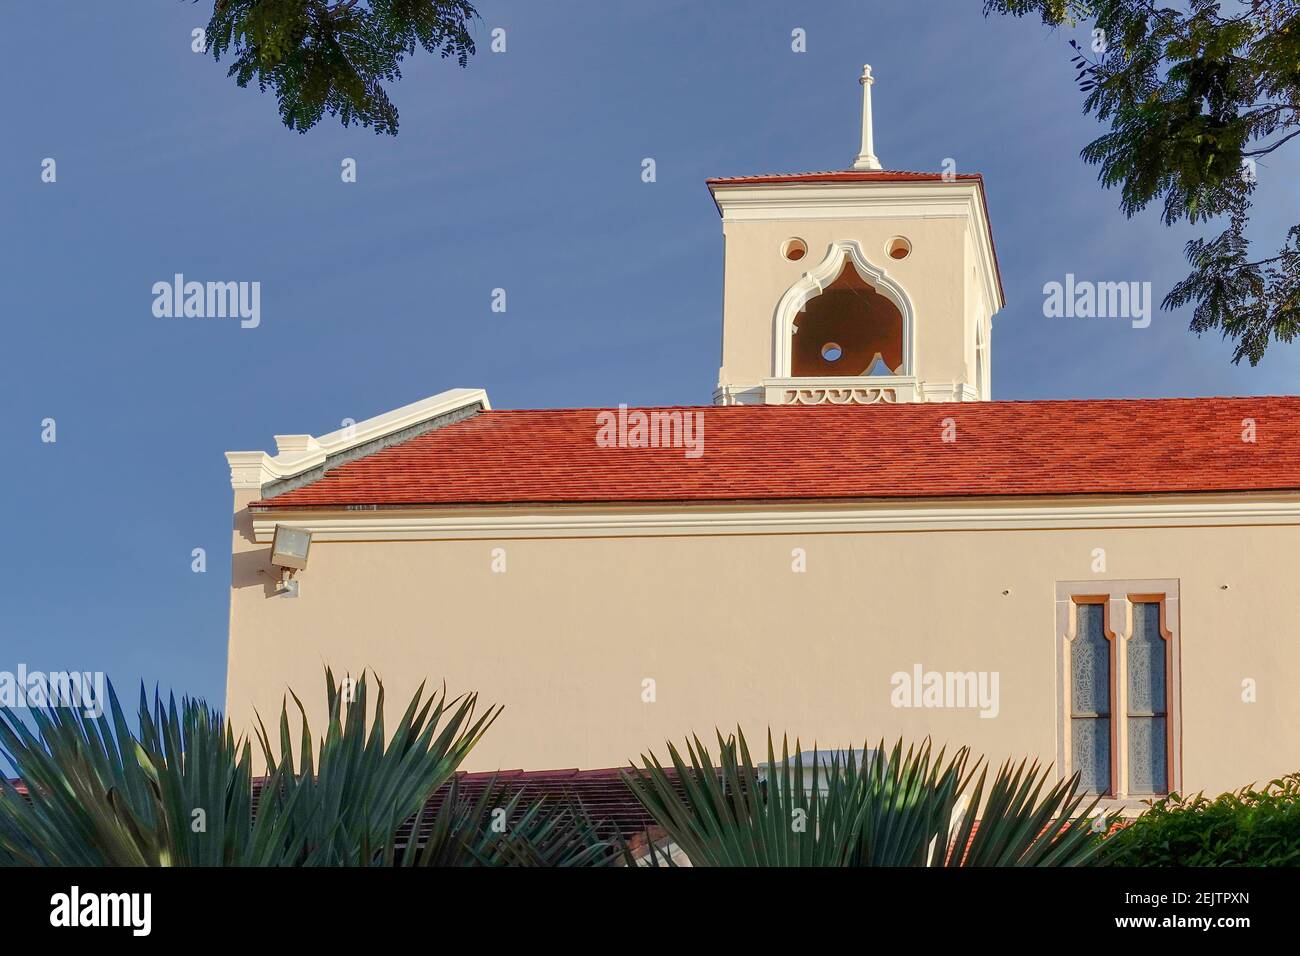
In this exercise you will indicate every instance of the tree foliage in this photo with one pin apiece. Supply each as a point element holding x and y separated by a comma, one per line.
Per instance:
<point>334,56</point>
<point>1196,98</point>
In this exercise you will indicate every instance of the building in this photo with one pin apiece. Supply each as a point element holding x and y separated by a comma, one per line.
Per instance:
<point>852,542</point>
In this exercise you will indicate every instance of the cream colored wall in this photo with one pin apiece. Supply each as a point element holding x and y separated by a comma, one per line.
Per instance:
<point>731,635</point>
<point>935,275</point>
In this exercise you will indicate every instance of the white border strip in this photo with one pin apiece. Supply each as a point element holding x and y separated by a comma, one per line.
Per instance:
<point>622,521</point>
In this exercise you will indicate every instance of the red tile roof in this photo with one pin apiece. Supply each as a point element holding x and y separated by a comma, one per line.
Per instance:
<point>842,176</point>
<point>603,794</point>
<point>765,452</point>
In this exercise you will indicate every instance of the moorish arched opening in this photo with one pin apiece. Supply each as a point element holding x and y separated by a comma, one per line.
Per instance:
<point>849,329</point>
<point>844,318</point>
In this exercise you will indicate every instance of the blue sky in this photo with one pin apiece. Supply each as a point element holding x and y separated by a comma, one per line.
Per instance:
<point>520,172</point>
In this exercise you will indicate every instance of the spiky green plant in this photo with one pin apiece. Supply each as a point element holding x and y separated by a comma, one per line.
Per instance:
<point>180,792</point>
<point>342,807</point>
<point>497,829</point>
<point>899,807</point>
<point>99,796</point>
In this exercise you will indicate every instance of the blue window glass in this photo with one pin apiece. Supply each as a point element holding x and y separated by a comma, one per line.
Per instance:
<point>1148,770</point>
<point>1090,699</point>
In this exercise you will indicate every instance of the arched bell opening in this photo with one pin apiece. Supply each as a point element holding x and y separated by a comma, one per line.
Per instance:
<point>849,329</point>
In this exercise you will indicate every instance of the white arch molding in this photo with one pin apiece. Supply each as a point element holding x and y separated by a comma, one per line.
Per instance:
<point>813,282</point>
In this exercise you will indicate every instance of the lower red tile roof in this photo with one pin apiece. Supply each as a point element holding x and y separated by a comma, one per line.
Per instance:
<point>763,452</point>
<point>603,794</point>
<point>605,797</point>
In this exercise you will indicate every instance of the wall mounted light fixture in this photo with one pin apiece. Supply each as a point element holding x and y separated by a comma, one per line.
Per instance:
<point>289,554</point>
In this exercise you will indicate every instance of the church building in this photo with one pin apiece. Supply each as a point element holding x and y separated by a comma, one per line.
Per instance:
<point>853,541</point>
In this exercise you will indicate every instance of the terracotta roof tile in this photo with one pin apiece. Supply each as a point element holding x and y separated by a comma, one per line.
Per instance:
<point>842,176</point>
<point>1113,447</point>
<point>607,799</point>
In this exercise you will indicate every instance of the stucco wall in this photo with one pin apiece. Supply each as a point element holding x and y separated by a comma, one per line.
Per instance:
<point>730,634</point>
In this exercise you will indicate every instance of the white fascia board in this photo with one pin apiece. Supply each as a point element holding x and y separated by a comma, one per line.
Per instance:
<point>295,454</point>
<point>605,521</point>
<point>780,201</point>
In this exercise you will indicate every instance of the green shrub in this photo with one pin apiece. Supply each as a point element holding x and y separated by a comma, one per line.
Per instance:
<point>1246,828</point>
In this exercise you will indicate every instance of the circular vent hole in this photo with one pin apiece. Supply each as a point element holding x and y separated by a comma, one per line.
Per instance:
<point>899,248</point>
<point>832,352</point>
<point>794,249</point>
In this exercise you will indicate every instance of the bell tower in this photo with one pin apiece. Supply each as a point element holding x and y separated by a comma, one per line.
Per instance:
<point>856,286</point>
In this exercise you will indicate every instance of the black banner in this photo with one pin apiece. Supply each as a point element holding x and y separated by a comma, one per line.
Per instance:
<point>339,906</point>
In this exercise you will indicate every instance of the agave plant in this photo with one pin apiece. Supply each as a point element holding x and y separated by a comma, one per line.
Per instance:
<point>898,807</point>
<point>95,795</point>
<point>343,808</point>
<point>180,792</point>
<point>500,829</point>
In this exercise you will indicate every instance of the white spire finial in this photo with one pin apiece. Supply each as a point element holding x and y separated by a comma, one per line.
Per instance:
<point>867,155</point>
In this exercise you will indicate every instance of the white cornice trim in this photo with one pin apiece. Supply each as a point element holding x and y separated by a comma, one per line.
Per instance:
<point>652,521</point>
<point>743,202</point>
<point>250,470</point>
<point>900,389</point>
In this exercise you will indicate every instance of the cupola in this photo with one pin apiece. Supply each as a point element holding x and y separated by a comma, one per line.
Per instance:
<point>856,286</point>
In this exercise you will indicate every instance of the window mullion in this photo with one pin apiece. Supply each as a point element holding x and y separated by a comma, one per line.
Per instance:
<point>1117,615</point>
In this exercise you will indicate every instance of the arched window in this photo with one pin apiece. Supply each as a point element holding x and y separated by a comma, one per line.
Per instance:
<point>850,329</point>
<point>844,318</point>
<point>1091,655</point>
